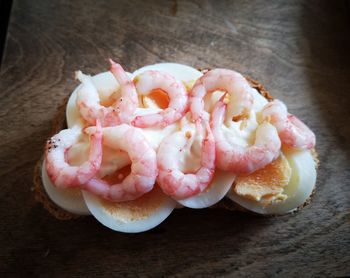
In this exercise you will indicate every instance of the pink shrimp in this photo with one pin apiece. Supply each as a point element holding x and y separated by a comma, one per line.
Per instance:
<point>171,179</point>
<point>59,171</point>
<point>239,159</point>
<point>121,111</point>
<point>151,80</point>
<point>225,80</point>
<point>128,101</point>
<point>293,132</point>
<point>143,168</point>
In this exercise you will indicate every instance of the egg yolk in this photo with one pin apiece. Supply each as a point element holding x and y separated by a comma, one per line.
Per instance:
<point>157,96</point>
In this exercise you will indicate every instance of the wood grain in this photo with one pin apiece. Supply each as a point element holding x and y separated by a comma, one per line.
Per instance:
<point>298,49</point>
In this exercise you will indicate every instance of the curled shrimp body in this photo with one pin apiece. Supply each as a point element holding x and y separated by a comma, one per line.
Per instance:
<point>239,159</point>
<point>143,165</point>
<point>128,101</point>
<point>59,171</point>
<point>121,111</point>
<point>230,82</point>
<point>171,179</point>
<point>178,100</point>
<point>293,132</point>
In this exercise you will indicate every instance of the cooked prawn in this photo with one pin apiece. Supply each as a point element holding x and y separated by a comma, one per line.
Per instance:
<point>240,159</point>
<point>171,179</point>
<point>59,171</point>
<point>293,132</point>
<point>143,165</point>
<point>231,82</point>
<point>121,111</point>
<point>151,80</point>
<point>128,102</point>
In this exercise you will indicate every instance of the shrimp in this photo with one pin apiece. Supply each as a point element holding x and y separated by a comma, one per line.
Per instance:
<point>150,80</point>
<point>239,159</point>
<point>121,111</point>
<point>143,165</point>
<point>293,132</point>
<point>59,171</point>
<point>231,82</point>
<point>171,179</point>
<point>128,102</point>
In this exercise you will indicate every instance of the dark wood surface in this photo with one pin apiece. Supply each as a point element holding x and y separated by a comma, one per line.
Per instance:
<point>299,50</point>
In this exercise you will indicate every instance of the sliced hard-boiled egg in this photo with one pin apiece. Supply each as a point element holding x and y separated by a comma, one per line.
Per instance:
<point>180,72</point>
<point>217,190</point>
<point>136,216</point>
<point>156,99</point>
<point>297,191</point>
<point>69,199</point>
<point>265,185</point>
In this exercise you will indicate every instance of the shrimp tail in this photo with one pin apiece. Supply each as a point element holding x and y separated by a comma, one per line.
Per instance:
<point>306,135</point>
<point>292,131</point>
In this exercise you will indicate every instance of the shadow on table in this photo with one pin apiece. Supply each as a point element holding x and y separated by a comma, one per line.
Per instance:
<point>327,61</point>
<point>189,238</point>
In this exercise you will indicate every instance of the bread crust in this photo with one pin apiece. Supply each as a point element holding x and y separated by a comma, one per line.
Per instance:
<point>60,123</point>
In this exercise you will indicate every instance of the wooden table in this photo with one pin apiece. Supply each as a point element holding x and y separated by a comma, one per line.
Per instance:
<point>299,50</point>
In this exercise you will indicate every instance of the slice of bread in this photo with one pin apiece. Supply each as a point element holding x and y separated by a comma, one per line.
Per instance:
<point>60,123</point>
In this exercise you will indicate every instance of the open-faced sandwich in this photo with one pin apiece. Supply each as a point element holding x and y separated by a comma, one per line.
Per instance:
<point>138,145</point>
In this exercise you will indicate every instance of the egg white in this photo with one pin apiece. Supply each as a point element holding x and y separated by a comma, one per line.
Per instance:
<point>217,190</point>
<point>125,223</point>
<point>70,200</point>
<point>179,71</point>
<point>298,190</point>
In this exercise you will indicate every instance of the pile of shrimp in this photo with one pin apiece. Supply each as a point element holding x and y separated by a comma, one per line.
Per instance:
<point>160,167</point>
